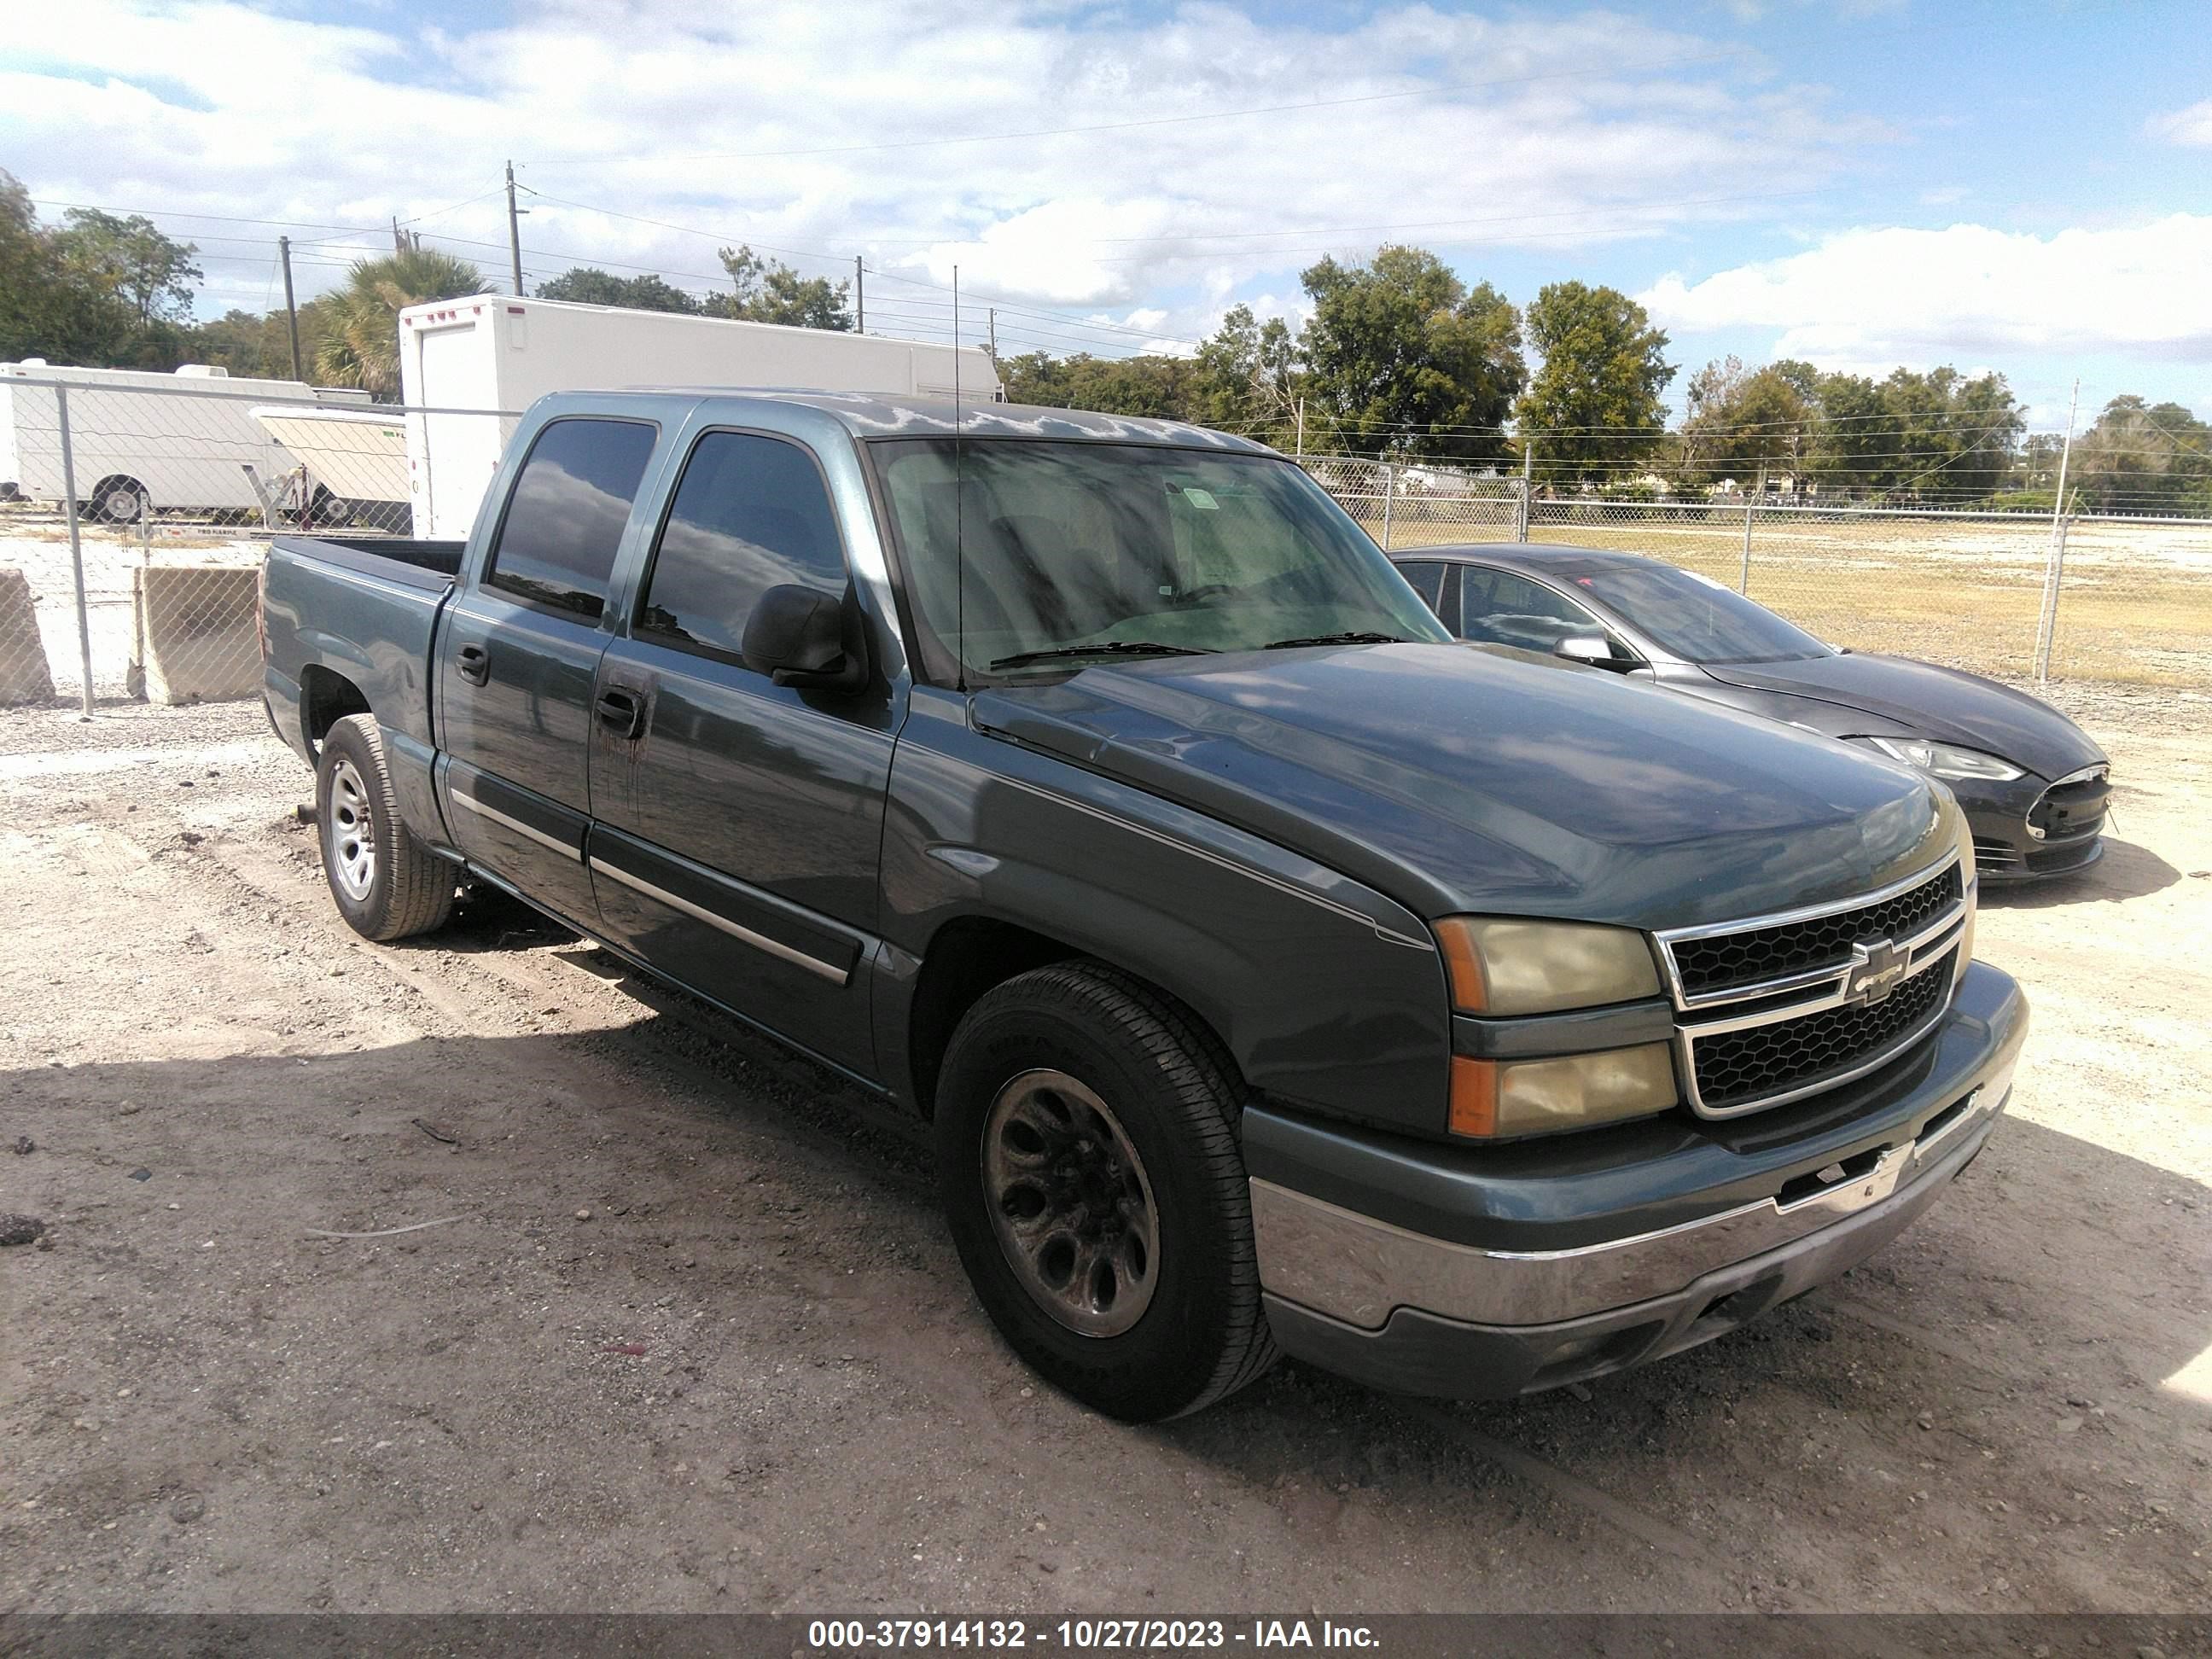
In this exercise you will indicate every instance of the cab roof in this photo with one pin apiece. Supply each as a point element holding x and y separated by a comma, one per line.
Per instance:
<point>1527,555</point>
<point>870,415</point>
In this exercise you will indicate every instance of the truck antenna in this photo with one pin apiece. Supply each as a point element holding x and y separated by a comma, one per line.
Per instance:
<point>959,510</point>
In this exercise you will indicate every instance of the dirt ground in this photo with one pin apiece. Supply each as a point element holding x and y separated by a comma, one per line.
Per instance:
<point>696,1340</point>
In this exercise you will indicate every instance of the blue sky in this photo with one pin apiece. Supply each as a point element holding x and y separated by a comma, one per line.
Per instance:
<point>2023,186</point>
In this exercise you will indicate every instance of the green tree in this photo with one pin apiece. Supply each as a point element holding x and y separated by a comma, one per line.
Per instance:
<point>766,292</point>
<point>1401,357</point>
<point>362,346</point>
<point>1156,387</point>
<point>2141,457</point>
<point>152,275</point>
<point>1937,436</point>
<point>1744,424</point>
<point>44,311</point>
<point>588,285</point>
<point>261,345</point>
<point>1592,406</point>
<point>1246,377</point>
<point>99,292</point>
<point>1854,447</point>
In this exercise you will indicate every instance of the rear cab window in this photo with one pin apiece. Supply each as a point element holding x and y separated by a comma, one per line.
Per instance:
<point>563,524</point>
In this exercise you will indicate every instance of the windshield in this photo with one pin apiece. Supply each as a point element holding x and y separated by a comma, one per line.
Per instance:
<point>1695,617</point>
<point>1022,558</point>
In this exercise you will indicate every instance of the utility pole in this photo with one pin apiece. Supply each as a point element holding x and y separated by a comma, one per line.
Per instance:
<point>992,315</point>
<point>514,231</point>
<point>859,297</point>
<point>2046,628</point>
<point>1298,406</point>
<point>1527,481</point>
<point>291,310</point>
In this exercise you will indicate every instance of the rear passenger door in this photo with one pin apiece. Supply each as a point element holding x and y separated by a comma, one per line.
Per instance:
<point>738,824</point>
<point>521,648</point>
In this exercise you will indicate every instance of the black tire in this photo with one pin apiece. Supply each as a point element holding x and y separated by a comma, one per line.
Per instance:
<point>118,499</point>
<point>327,511</point>
<point>1201,1334</point>
<point>400,889</point>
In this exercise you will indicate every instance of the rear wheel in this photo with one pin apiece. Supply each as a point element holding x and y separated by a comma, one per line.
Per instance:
<point>1087,1152</point>
<point>118,499</point>
<point>385,883</point>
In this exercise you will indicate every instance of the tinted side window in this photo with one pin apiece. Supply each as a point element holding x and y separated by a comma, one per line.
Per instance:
<point>557,545</point>
<point>749,514</point>
<point>1511,609</point>
<point>1427,577</point>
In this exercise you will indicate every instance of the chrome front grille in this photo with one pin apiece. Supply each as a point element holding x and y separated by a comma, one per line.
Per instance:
<point>1774,1008</point>
<point>1711,961</point>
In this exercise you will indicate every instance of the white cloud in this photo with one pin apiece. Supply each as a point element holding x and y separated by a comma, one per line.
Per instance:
<point>756,124</point>
<point>2192,126</point>
<point>1878,297</point>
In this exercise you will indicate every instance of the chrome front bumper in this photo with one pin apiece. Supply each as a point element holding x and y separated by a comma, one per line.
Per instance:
<point>1359,1270</point>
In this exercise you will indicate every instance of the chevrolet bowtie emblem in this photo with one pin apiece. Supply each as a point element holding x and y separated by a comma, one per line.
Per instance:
<point>1876,966</point>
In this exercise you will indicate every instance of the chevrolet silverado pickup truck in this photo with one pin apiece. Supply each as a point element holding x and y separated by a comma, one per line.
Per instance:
<point>1273,973</point>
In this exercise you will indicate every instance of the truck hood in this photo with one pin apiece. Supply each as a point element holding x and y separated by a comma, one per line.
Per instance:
<point>1458,781</point>
<point>1920,699</point>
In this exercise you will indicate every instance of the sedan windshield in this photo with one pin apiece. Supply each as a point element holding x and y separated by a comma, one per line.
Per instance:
<point>1695,617</point>
<point>1024,559</point>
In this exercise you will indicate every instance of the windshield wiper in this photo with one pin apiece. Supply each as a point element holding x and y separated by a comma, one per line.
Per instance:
<point>1355,637</point>
<point>1105,648</point>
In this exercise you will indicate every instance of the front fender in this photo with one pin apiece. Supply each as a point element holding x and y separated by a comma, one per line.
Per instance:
<point>1324,991</point>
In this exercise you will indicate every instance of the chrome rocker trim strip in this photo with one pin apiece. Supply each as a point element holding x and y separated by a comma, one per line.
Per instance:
<point>776,948</point>
<point>515,824</point>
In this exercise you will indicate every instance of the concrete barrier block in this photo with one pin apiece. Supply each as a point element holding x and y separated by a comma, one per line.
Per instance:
<point>24,677</point>
<point>195,638</point>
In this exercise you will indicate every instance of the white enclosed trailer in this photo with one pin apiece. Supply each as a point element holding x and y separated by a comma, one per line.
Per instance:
<point>186,441</point>
<point>497,353</point>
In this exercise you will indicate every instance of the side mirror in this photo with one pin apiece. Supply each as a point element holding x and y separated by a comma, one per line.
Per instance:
<point>1593,651</point>
<point>800,636</point>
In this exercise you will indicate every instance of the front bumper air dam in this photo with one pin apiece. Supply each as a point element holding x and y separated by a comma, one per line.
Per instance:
<point>1418,1315</point>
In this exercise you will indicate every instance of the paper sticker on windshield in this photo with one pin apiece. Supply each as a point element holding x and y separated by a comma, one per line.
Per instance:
<point>1200,499</point>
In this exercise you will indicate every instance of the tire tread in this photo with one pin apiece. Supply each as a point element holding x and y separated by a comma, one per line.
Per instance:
<point>1211,1098</point>
<point>418,885</point>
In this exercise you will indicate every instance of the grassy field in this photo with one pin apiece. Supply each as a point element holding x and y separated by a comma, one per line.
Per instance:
<point>2134,605</point>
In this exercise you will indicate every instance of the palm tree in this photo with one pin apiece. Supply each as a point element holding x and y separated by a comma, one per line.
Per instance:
<point>362,347</point>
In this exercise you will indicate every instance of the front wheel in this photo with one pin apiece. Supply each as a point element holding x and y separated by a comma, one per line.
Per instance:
<point>385,883</point>
<point>1087,1154</point>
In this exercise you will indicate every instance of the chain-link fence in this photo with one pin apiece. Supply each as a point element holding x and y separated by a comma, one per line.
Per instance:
<point>2091,598</point>
<point>137,510</point>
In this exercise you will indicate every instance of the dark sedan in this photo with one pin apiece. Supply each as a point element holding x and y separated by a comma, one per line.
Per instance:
<point>2033,784</point>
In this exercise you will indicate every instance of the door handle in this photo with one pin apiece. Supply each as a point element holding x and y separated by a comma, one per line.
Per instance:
<point>621,711</point>
<point>475,664</point>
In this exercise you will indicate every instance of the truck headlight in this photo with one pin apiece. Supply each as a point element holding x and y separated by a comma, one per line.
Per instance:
<point>1497,1098</point>
<point>1504,966</point>
<point>1942,760</point>
<point>1517,965</point>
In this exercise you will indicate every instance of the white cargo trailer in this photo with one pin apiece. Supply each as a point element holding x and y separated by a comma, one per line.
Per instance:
<point>187,441</point>
<point>495,352</point>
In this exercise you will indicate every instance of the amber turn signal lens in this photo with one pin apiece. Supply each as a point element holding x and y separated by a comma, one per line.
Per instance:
<point>1499,1097</point>
<point>1469,993</point>
<point>1473,1096</point>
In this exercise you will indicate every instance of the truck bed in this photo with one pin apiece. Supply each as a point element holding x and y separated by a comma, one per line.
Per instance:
<point>431,564</point>
<point>362,610</point>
